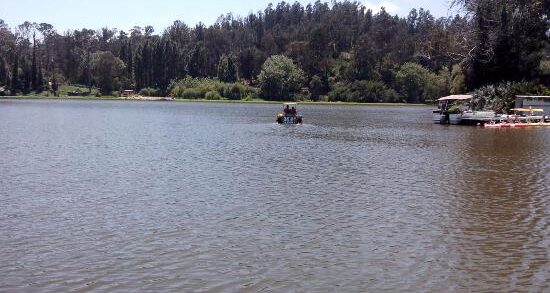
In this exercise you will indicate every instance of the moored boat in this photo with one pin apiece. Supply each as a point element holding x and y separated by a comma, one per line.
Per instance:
<point>514,125</point>
<point>438,117</point>
<point>476,117</point>
<point>510,125</point>
<point>455,109</point>
<point>493,125</point>
<point>527,115</point>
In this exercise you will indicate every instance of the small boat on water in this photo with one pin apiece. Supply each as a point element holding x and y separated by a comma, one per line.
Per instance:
<point>289,115</point>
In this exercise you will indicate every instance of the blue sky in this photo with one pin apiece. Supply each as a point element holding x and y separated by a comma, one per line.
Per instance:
<point>124,14</point>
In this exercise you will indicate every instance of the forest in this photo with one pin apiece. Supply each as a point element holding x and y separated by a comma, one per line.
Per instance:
<point>337,51</point>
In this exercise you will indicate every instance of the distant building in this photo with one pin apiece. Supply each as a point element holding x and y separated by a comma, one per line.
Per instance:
<point>540,102</point>
<point>128,93</point>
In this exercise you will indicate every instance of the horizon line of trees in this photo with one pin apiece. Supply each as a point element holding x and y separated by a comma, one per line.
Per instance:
<point>342,51</point>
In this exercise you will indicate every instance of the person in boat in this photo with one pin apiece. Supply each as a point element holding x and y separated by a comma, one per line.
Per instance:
<point>286,110</point>
<point>293,111</point>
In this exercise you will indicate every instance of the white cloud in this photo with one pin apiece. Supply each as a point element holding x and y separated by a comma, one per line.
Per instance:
<point>390,7</point>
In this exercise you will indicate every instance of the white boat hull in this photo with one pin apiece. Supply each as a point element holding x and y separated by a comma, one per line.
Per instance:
<point>455,119</point>
<point>438,117</point>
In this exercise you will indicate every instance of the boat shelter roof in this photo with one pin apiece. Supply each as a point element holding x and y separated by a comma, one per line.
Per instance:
<point>533,97</point>
<point>456,97</point>
<point>526,110</point>
<point>290,104</point>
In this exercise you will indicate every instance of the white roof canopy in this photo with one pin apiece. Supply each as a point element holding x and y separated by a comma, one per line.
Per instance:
<point>456,97</point>
<point>533,97</point>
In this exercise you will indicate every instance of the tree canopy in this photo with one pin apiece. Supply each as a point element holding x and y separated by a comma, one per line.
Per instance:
<point>337,45</point>
<point>106,71</point>
<point>280,78</point>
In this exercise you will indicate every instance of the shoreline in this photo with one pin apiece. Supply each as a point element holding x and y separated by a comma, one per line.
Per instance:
<point>169,99</point>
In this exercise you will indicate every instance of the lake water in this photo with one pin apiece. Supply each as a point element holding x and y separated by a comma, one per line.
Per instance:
<point>128,196</point>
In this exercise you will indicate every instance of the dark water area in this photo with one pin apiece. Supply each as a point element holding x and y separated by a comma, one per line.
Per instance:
<point>147,196</point>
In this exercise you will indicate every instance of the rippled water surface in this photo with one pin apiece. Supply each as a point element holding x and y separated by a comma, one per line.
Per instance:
<point>127,196</point>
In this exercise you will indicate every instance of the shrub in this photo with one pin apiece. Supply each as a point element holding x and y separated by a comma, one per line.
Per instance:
<point>324,98</point>
<point>234,91</point>
<point>197,88</point>
<point>213,95</point>
<point>303,95</point>
<point>176,90</point>
<point>501,97</point>
<point>363,91</point>
<point>192,93</point>
<point>150,92</point>
<point>76,90</point>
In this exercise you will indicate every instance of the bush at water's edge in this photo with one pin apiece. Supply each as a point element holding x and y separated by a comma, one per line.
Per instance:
<point>211,89</point>
<point>501,97</point>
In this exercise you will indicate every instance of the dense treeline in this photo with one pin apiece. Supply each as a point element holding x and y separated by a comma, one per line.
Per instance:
<point>338,51</point>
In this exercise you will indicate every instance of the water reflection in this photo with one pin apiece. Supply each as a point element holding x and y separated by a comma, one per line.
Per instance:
<point>502,198</point>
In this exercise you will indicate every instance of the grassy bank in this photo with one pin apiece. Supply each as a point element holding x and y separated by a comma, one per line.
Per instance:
<point>255,101</point>
<point>59,98</point>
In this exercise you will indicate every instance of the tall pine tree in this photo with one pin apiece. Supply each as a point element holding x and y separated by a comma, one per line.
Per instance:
<point>15,84</point>
<point>34,84</point>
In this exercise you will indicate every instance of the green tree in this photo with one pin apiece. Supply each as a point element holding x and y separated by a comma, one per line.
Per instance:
<point>544,70</point>
<point>250,62</point>
<point>280,78</point>
<point>227,68</point>
<point>458,80</point>
<point>39,81</point>
<point>34,68</point>
<point>3,71</point>
<point>363,91</point>
<point>438,85</point>
<point>418,84</point>
<point>197,61</point>
<point>509,39</point>
<point>106,70</point>
<point>501,97</point>
<point>15,84</point>
<point>316,87</point>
